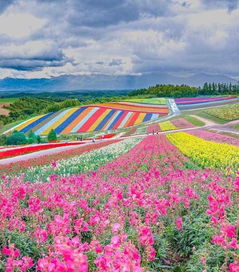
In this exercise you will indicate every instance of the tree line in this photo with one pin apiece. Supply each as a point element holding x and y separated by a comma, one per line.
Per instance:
<point>162,90</point>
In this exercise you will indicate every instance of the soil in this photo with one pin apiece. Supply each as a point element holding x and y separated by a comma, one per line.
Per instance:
<point>2,110</point>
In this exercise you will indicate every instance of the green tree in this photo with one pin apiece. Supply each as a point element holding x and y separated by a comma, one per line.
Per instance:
<point>38,139</point>
<point>52,136</point>
<point>3,139</point>
<point>17,138</point>
<point>32,137</point>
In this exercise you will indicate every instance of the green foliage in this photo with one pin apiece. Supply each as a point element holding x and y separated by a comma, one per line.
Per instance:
<point>3,139</point>
<point>32,138</point>
<point>218,89</point>
<point>17,138</point>
<point>52,136</point>
<point>62,105</point>
<point>194,121</point>
<point>167,91</point>
<point>26,246</point>
<point>187,91</point>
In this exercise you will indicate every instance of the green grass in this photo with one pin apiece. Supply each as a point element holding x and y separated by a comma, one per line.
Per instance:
<point>236,126</point>
<point>219,114</point>
<point>8,100</point>
<point>156,101</point>
<point>194,121</point>
<point>206,115</point>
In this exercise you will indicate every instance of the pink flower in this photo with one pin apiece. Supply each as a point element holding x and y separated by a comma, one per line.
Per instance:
<point>179,222</point>
<point>234,267</point>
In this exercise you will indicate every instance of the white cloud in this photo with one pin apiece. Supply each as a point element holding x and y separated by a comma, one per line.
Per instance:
<point>169,35</point>
<point>19,25</point>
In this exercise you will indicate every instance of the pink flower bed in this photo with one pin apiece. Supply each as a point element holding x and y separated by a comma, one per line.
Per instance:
<point>153,128</point>
<point>182,123</point>
<point>113,219</point>
<point>216,137</point>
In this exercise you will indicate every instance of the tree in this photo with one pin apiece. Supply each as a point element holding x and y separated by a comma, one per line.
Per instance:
<point>52,136</point>
<point>38,139</point>
<point>17,138</point>
<point>32,137</point>
<point>3,139</point>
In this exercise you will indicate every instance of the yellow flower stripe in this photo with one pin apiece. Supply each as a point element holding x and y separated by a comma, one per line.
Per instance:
<point>58,122</point>
<point>206,153</point>
<point>24,124</point>
<point>167,125</point>
<point>140,118</point>
<point>102,116</point>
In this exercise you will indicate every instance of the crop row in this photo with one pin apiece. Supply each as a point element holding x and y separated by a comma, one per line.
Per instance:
<point>167,125</point>
<point>206,153</point>
<point>21,166</point>
<point>100,117</point>
<point>85,162</point>
<point>29,149</point>
<point>197,100</point>
<point>216,137</point>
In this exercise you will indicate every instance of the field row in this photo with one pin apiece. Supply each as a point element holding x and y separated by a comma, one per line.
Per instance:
<point>92,118</point>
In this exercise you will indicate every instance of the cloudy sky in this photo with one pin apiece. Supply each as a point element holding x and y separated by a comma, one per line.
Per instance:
<point>49,38</point>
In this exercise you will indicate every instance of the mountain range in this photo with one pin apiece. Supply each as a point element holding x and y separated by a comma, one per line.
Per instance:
<point>105,82</point>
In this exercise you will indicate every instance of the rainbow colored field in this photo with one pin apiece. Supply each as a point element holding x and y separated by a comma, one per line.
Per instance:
<point>199,100</point>
<point>100,117</point>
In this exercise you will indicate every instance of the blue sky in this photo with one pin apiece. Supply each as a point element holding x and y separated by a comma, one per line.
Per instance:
<point>50,38</point>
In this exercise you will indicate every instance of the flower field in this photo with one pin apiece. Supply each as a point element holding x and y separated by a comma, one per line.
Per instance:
<point>199,100</point>
<point>32,148</point>
<point>206,153</point>
<point>85,162</point>
<point>227,113</point>
<point>182,123</point>
<point>216,137</point>
<point>21,166</point>
<point>167,125</point>
<point>145,207</point>
<point>101,117</point>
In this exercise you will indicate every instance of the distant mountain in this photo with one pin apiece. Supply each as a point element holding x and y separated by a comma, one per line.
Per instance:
<point>104,82</point>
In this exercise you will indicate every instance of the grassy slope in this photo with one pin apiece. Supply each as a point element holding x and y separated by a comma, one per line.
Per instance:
<point>8,100</point>
<point>218,114</point>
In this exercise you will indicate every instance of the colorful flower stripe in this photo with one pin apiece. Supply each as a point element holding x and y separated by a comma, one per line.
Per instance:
<point>30,149</point>
<point>20,166</point>
<point>197,100</point>
<point>36,122</point>
<point>182,123</point>
<point>70,119</point>
<point>206,153</point>
<point>92,118</point>
<point>135,107</point>
<point>153,128</point>
<point>216,137</point>
<point>29,122</point>
<point>88,161</point>
<point>167,125</point>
